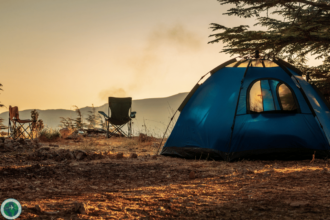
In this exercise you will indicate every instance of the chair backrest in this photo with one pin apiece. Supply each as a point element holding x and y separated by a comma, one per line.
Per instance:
<point>13,112</point>
<point>120,107</point>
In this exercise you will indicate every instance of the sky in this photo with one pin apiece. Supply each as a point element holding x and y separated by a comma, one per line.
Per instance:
<point>58,53</point>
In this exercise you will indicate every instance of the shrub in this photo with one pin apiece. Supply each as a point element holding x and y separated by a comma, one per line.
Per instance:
<point>48,134</point>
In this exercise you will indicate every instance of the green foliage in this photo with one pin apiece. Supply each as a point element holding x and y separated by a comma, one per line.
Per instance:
<point>303,30</point>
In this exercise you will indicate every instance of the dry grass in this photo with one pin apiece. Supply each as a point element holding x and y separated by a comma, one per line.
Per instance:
<point>160,188</point>
<point>49,135</point>
<point>66,132</point>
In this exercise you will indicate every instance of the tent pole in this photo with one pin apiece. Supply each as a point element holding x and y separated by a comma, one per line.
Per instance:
<point>174,115</point>
<point>165,132</point>
<point>239,94</point>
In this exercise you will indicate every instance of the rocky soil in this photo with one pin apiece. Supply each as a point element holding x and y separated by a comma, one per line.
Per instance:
<point>56,182</point>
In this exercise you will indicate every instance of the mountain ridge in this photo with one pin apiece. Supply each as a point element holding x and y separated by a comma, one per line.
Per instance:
<point>152,112</point>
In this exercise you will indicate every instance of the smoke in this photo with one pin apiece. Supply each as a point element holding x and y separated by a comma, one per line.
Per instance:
<point>145,64</point>
<point>176,36</point>
<point>115,92</point>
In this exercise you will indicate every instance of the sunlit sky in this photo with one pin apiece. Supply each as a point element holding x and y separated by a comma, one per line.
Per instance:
<point>59,53</point>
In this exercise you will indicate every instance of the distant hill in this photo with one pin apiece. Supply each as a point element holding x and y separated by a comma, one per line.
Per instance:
<point>154,112</point>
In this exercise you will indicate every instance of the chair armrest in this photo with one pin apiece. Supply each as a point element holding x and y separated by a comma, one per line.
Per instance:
<point>132,115</point>
<point>102,113</point>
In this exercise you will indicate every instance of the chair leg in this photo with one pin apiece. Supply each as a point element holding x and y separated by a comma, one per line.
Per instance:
<point>128,129</point>
<point>24,132</point>
<point>120,131</point>
<point>108,129</point>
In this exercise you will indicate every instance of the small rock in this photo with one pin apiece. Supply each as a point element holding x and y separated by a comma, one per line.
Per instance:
<point>154,157</point>
<point>38,208</point>
<point>119,155</point>
<point>21,141</point>
<point>192,175</point>
<point>9,145</point>
<point>133,155</point>
<point>51,213</point>
<point>79,154</point>
<point>8,141</point>
<point>79,207</point>
<point>44,149</point>
<point>70,156</point>
<point>298,203</point>
<point>94,187</point>
<point>53,145</point>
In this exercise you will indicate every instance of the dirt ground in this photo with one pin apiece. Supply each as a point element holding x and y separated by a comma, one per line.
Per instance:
<point>103,185</point>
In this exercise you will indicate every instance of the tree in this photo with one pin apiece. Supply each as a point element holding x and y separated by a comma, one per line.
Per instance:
<point>37,125</point>
<point>304,30</point>
<point>93,118</point>
<point>78,122</point>
<point>2,126</point>
<point>67,123</point>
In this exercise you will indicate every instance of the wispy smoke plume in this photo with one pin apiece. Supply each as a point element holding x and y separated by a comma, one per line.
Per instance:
<point>146,62</point>
<point>176,36</point>
<point>115,92</point>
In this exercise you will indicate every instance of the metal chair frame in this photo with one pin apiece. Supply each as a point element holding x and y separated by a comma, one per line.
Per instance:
<point>118,128</point>
<point>18,125</point>
<point>20,128</point>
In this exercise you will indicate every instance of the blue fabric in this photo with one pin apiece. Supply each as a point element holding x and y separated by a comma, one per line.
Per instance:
<point>269,131</point>
<point>267,97</point>
<point>321,110</point>
<point>206,119</point>
<point>273,85</point>
<point>275,73</point>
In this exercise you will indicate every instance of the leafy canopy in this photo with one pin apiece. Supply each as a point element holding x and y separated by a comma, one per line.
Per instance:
<point>303,29</point>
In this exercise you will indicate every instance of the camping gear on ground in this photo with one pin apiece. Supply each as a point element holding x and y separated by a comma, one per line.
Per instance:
<point>18,128</point>
<point>121,115</point>
<point>252,108</point>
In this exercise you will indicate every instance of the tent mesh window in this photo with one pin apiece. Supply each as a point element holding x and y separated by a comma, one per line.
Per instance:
<point>271,96</point>
<point>286,98</point>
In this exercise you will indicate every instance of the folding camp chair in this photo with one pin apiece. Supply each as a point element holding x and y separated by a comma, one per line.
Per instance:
<point>19,128</point>
<point>120,116</point>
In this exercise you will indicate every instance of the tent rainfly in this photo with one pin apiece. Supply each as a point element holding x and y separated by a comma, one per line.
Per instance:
<point>252,108</point>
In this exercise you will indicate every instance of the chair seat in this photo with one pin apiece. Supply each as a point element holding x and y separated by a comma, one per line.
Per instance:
<point>23,121</point>
<point>118,122</point>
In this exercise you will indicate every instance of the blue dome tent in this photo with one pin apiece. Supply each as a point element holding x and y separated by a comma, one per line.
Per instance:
<point>253,107</point>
